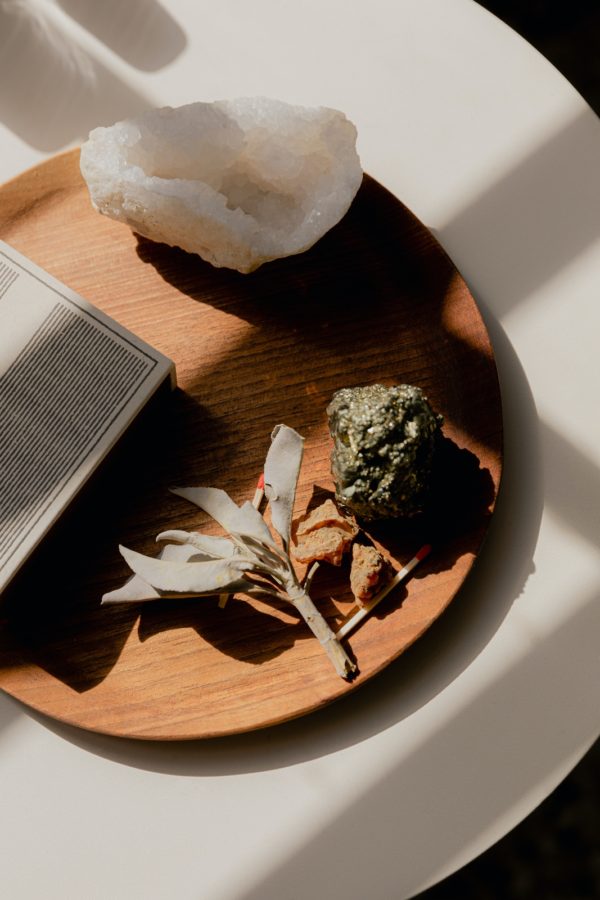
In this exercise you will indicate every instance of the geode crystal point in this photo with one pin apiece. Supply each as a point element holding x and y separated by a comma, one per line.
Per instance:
<point>384,442</point>
<point>239,182</point>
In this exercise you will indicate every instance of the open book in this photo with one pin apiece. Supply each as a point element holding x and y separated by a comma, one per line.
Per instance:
<point>71,382</point>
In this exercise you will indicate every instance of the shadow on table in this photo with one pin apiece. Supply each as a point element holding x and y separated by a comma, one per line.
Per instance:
<point>9,711</point>
<point>529,225</point>
<point>575,495</point>
<point>52,91</point>
<point>552,854</point>
<point>142,32</point>
<point>448,800</point>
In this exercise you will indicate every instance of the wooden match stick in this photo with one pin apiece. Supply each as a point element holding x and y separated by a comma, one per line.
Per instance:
<point>259,493</point>
<point>363,611</point>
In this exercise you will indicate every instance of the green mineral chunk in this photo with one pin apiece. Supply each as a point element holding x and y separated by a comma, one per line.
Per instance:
<point>384,442</point>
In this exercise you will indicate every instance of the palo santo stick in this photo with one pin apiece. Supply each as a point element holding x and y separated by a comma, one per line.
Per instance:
<point>351,623</point>
<point>259,493</point>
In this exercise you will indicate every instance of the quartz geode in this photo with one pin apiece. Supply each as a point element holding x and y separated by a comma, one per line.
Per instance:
<point>384,443</point>
<point>239,182</point>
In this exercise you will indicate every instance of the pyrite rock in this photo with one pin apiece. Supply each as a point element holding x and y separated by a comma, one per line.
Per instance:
<point>384,442</point>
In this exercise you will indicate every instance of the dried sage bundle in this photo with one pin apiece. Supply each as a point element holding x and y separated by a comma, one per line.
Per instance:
<point>249,561</point>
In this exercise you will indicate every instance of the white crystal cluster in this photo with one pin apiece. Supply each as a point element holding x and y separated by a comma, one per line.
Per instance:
<point>239,182</point>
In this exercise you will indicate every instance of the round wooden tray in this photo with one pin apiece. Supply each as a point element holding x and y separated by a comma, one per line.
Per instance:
<point>376,299</point>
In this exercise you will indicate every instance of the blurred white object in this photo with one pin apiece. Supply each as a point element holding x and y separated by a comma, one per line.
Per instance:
<point>54,87</point>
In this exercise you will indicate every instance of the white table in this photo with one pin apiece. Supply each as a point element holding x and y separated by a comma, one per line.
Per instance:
<point>388,791</point>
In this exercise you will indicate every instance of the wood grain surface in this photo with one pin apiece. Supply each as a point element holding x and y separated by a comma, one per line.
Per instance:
<point>376,299</point>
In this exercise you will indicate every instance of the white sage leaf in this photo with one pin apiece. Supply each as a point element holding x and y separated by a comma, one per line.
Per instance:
<point>137,590</point>
<point>215,576</point>
<point>282,467</point>
<point>261,551</point>
<point>205,543</point>
<point>217,503</point>
<point>253,524</point>
<point>181,553</point>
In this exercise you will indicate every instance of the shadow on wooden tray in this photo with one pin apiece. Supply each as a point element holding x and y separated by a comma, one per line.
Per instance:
<point>375,250</point>
<point>251,634</point>
<point>375,298</point>
<point>456,516</point>
<point>51,613</point>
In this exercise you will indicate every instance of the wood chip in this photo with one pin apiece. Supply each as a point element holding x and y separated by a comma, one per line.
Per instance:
<point>324,534</point>
<point>325,515</point>
<point>325,544</point>
<point>369,569</point>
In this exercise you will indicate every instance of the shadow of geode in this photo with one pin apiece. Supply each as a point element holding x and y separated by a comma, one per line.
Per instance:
<point>456,512</point>
<point>454,518</point>
<point>357,262</point>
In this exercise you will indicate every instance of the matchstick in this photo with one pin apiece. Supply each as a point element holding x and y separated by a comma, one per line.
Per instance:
<point>259,493</point>
<point>363,611</point>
